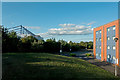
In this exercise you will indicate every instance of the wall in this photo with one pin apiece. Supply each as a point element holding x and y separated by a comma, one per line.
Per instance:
<point>108,32</point>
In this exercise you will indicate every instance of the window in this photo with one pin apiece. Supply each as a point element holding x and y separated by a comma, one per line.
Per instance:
<point>96,39</point>
<point>108,38</point>
<point>100,47</point>
<point>114,28</point>
<point>100,39</point>
<point>100,55</point>
<point>108,47</point>
<point>113,37</point>
<point>97,32</point>
<point>114,57</point>
<point>113,47</point>
<point>100,31</point>
<point>108,29</point>
<point>96,54</point>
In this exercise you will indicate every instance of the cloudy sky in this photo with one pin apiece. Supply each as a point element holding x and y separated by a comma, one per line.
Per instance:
<point>60,20</point>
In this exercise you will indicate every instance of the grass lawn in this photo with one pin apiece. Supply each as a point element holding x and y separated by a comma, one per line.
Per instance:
<point>26,66</point>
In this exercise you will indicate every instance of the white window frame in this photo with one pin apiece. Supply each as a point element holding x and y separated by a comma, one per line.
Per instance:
<point>108,47</point>
<point>96,39</point>
<point>108,29</point>
<point>96,54</point>
<point>96,32</point>
<point>108,38</point>
<point>100,55</point>
<point>114,28</point>
<point>114,57</point>
<point>100,39</point>
<point>113,37</point>
<point>108,56</point>
<point>113,47</point>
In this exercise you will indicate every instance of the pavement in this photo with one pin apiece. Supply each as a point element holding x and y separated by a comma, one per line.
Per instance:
<point>104,65</point>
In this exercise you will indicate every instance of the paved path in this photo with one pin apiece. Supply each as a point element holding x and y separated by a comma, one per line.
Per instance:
<point>105,65</point>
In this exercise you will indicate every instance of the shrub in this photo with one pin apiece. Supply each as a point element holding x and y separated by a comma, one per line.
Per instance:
<point>72,54</point>
<point>88,55</point>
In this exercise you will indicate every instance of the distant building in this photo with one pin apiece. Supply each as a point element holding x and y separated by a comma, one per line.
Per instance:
<point>23,32</point>
<point>105,48</point>
<point>38,37</point>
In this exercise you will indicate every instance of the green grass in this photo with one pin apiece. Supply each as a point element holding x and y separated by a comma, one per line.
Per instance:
<point>88,55</point>
<point>44,66</point>
<point>72,54</point>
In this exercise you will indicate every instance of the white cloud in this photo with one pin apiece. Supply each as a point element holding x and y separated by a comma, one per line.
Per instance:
<point>66,25</point>
<point>32,27</point>
<point>74,30</point>
<point>69,29</point>
<point>91,23</point>
<point>45,35</point>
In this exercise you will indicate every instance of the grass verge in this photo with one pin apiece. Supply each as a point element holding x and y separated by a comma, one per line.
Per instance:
<point>46,66</point>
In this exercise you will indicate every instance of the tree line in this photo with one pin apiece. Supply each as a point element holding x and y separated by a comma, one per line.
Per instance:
<point>12,43</point>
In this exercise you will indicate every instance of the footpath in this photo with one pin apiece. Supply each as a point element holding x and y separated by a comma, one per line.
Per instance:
<point>105,65</point>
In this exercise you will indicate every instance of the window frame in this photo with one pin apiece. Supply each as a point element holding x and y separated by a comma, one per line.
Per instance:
<point>113,47</point>
<point>114,28</point>
<point>108,29</point>
<point>108,47</point>
<point>113,37</point>
<point>108,38</point>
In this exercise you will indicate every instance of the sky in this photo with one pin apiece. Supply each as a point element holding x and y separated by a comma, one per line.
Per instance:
<point>60,0</point>
<point>71,21</point>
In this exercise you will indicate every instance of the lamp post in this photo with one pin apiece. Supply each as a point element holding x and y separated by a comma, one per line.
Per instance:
<point>86,45</point>
<point>60,47</point>
<point>116,60</point>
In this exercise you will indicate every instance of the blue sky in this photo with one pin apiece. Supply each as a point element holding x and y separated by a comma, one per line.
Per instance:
<point>60,0</point>
<point>61,20</point>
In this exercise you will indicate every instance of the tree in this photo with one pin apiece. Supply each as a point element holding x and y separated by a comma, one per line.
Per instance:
<point>9,41</point>
<point>51,45</point>
<point>37,46</point>
<point>90,45</point>
<point>26,43</point>
<point>64,45</point>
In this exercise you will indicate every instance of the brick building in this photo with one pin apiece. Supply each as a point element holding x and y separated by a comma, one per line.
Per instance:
<point>105,47</point>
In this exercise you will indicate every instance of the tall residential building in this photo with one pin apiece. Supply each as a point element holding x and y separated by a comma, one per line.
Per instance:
<point>105,47</point>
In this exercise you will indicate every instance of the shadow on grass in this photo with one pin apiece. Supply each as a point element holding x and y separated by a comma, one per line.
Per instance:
<point>49,66</point>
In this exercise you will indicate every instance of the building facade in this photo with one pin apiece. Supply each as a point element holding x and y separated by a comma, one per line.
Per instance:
<point>105,47</point>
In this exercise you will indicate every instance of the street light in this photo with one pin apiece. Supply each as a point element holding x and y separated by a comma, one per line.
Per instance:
<point>60,47</point>
<point>115,59</point>
<point>86,45</point>
<point>115,39</point>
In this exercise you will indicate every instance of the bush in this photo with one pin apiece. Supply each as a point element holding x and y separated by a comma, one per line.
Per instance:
<point>72,54</point>
<point>88,55</point>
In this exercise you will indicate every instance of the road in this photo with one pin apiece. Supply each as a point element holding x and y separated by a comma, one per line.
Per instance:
<point>83,52</point>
